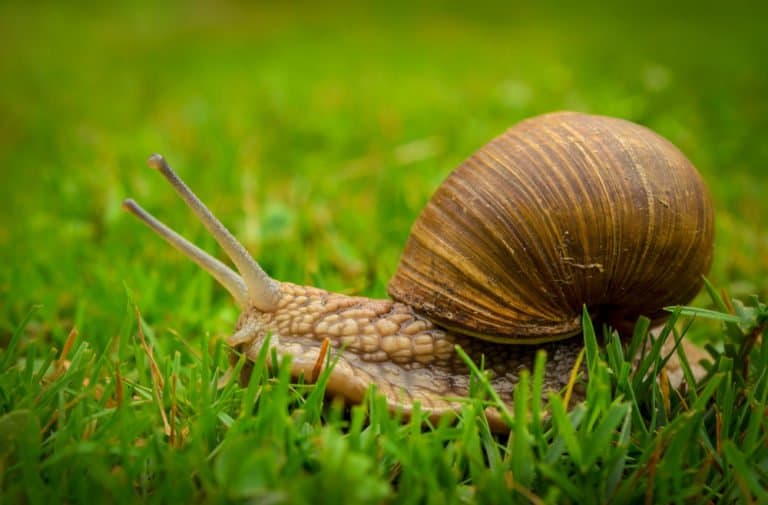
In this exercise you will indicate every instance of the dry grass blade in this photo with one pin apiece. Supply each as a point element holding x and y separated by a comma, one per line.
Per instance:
<point>320,360</point>
<point>158,383</point>
<point>62,364</point>
<point>573,378</point>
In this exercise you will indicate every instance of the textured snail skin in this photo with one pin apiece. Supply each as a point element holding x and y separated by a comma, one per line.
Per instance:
<point>386,343</point>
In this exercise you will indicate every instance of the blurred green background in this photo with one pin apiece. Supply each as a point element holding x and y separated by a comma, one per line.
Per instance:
<point>317,132</point>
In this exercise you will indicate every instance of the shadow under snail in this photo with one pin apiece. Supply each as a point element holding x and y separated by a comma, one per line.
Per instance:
<point>561,211</point>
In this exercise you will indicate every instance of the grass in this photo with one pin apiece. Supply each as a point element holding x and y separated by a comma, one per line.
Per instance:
<point>305,130</point>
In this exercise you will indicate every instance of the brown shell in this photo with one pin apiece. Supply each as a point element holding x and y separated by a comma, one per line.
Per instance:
<point>561,210</point>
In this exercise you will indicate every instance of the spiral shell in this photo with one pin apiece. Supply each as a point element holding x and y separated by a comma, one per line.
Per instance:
<point>562,210</point>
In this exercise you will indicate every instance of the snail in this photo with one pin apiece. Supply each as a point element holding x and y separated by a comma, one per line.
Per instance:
<point>561,211</point>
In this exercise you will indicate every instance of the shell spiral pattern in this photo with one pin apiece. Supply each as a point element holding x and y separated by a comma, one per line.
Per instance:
<point>561,210</point>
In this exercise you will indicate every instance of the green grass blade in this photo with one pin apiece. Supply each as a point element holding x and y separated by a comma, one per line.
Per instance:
<point>590,340</point>
<point>705,313</point>
<point>9,355</point>
<point>486,385</point>
<point>565,429</point>
<point>600,441</point>
<point>522,453</point>
<point>747,480</point>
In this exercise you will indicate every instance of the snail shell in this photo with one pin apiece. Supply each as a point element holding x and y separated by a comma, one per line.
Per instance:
<point>560,211</point>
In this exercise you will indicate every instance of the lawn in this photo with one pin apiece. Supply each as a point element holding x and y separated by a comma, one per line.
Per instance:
<point>317,134</point>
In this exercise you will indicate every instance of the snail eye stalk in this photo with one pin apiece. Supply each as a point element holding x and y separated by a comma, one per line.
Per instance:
<point>263,291</point>
<point>221,272</point>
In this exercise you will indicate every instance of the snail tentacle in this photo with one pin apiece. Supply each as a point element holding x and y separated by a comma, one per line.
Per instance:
<point>221,272</point>
<point>263,291</point>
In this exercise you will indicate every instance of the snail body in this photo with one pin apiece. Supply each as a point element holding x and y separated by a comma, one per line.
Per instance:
<point>561,211</point>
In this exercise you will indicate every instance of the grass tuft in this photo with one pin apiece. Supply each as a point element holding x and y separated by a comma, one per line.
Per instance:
<point>126,420</point>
